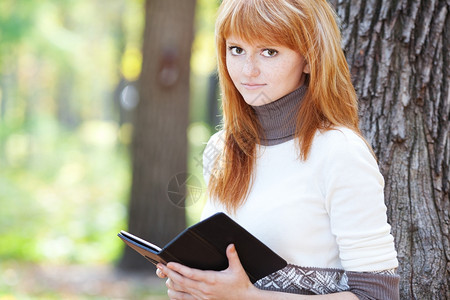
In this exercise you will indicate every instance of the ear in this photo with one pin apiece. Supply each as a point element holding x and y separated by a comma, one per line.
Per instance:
<point>306,69</point>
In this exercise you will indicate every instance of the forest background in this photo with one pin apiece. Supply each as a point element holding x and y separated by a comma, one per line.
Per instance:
<point>68,72</point>
<point>105,104</point>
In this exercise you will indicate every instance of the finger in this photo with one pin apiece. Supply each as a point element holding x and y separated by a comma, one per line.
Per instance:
<point>233,258</point>
<point>194,274</point>
<point>171,285</point>
<point>184,283</point>
<point>179,295</point>
<point>160,272</point>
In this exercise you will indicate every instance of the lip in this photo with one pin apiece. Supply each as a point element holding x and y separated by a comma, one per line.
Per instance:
<point>252,86</point>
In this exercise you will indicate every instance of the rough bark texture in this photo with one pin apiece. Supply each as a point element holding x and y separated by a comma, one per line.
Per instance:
<point>159,147</point>
<point>399,56</point>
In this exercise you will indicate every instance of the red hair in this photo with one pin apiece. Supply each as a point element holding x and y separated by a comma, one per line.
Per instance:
<point>306,26</point>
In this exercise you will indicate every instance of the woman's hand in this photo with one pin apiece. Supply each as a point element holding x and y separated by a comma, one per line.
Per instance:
<point>159,272</point>
<point>188,283</point>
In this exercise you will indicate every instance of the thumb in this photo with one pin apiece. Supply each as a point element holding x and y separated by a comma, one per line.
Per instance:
<point>233,258</point>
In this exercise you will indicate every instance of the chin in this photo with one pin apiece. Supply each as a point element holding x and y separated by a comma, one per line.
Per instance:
<point>256,102</point>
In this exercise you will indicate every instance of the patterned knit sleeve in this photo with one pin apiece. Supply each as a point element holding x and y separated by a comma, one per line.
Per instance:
<point>320,281</point>
<point>374,285</point>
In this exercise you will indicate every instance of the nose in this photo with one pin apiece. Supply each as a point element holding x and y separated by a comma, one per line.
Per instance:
<point>250,68</point>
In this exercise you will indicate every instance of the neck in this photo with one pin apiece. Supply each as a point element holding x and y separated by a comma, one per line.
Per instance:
<point>278,118</point>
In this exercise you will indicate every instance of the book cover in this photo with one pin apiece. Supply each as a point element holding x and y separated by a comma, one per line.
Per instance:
<point>203,246</point>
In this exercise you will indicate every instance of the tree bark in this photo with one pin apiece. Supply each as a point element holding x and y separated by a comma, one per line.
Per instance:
<point>159,148</point>
<point>399,57</point>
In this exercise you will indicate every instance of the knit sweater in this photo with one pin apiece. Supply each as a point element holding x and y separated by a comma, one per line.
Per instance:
<point>326,216</point>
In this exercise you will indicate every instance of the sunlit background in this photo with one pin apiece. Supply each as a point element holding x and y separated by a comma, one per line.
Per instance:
<point>67,93</point>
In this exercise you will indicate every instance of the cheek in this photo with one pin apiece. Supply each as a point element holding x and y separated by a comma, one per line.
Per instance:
<point>232,70</point>
<point>292,73</point>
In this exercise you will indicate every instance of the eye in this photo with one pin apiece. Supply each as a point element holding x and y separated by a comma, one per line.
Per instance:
<point>269,52</point>
<point>236,50</point>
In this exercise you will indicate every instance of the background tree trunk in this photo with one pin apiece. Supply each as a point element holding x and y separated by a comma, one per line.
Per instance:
<point>399,56</point>
<point>159,148</point>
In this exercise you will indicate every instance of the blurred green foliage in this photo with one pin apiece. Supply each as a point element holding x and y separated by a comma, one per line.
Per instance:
<point>64,162</point>
<point>62,193</point>
<point>65,169</point>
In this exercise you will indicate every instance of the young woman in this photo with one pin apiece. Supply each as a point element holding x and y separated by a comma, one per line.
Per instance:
<point>290,164</point>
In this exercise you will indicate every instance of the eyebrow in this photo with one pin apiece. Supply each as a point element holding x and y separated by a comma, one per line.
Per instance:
<point>257,46</point>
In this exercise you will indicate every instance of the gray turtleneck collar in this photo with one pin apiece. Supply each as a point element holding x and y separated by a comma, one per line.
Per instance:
<point>278,118</point>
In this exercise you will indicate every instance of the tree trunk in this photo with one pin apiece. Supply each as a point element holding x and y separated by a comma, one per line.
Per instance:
<point>399,56</point>
<point>159,148</point>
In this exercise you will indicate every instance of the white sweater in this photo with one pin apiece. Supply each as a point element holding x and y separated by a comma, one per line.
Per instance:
<point>325,212</point>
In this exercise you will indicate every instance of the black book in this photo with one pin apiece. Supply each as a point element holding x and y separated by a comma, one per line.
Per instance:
<point>203,246</point>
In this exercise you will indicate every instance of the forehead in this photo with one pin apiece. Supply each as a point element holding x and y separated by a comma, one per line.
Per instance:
<point>257,42</point>
<point>258,21</point>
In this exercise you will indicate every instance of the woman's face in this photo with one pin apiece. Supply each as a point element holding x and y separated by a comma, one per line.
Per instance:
<point>264,73</point>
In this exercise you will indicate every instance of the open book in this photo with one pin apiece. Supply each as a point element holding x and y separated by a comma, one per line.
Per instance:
<point>203,246</point>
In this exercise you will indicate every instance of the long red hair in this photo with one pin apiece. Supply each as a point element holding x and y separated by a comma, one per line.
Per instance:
<point>306,26</point>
